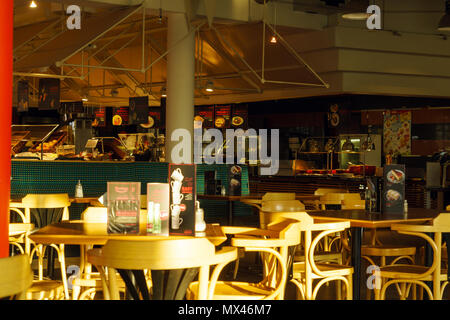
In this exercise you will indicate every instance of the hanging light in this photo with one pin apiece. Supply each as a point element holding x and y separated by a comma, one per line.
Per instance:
<point>163,92</point>
<point>209,86</point>
<point>444,23</point>
<point>273,39</point>
<point>33,4</point>
<point>84,98</point>
<point>356,10</point>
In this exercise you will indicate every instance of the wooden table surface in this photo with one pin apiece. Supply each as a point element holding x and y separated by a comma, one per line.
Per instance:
<point>256,196</point>
<point>363,219</point>
<point>77,232</point>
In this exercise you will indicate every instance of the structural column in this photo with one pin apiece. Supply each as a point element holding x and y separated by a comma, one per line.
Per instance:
<point>180,84</point>
<point>6,89</point>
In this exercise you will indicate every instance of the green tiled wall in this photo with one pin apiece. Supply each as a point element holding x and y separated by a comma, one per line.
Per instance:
<point>62,176</point>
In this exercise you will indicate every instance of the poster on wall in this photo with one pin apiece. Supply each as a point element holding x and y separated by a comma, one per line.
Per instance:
<point>239,117</point>
<point>22,96</point>
<point>205,114</point>
<point>222,115</point>
<point>100,117</point>
<point>138,110</point>
<point>397,132</point>
<point>49,90</point>
<point>120,116</point>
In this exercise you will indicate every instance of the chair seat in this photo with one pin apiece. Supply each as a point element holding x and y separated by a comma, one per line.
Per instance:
<point>328,269</point>
<point>234,290</point>
<point>407,271</point>
<point>387,250</point>
<point>46,290</point>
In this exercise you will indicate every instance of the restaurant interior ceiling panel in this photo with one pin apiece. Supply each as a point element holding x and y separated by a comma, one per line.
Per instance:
<point>70,42</point>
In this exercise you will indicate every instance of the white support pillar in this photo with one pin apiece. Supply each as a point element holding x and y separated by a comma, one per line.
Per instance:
<point>180,82</point>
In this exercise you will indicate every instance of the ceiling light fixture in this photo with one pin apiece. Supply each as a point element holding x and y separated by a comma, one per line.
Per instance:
<point>209,86</point>
<point>33,4</point>
<point>163,92</point>
<point>273,39</point>
<point>356,10</point>
<point>444,23</point>
<point>85,98</point>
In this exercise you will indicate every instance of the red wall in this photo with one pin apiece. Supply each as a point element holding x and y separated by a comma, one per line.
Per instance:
<point>6,77</point>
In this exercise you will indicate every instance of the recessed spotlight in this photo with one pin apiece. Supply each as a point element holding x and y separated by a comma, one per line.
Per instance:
<point>209,86</point>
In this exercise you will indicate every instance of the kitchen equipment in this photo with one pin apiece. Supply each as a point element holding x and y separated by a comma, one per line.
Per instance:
<point>362,170</point>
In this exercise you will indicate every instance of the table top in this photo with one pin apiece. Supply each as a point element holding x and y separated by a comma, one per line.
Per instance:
<point>17,202</point>
<point>361,218</point>
<point>78,232</point>
<point>256,196</point>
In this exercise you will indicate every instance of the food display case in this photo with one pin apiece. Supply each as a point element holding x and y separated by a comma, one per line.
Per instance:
<point>36,141</point>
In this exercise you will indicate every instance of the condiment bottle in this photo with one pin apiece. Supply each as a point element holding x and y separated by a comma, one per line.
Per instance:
<point>79,190</point>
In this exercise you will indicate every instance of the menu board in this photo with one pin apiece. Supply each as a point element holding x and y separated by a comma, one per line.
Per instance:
<point>49,90</point>
<point>393,196</point>
<point>239,117</point>
<point>124,204</point>
<point>138,110</point>
<point>222,116</point>
<point>182,179</point>
<point>22,96</point>
<point>234,180</point>
<point>100,116</point>
<point>120,116</point>
<point>153,118</point>
<point>205,114</point>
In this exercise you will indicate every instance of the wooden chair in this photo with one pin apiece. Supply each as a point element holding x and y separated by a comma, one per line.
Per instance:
<point>304,273</point>
<point>88,283</point>
<point>404,275</point>
<point>183,258</point>
<point>19,231</point>
<point>375,249</point>
<point>308,270</point>
<point>275,242</point>
<point>58,204</point>
<point>16,277</point>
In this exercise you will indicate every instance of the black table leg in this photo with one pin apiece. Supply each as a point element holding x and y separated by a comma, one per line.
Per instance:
<point>230,212</point>
<point>356,260</point>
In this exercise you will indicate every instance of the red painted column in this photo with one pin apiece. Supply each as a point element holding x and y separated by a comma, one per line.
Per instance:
<point>6,89</point>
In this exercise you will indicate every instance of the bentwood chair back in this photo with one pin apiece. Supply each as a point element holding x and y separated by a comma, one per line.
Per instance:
<point>16,277</point>
<point>87,283</point>
<point>274,243</point>
<point>182,258</point>
<point>270,209</point>
<point>311,267</point>
<point>404,275</point>
<point>54,203</point>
